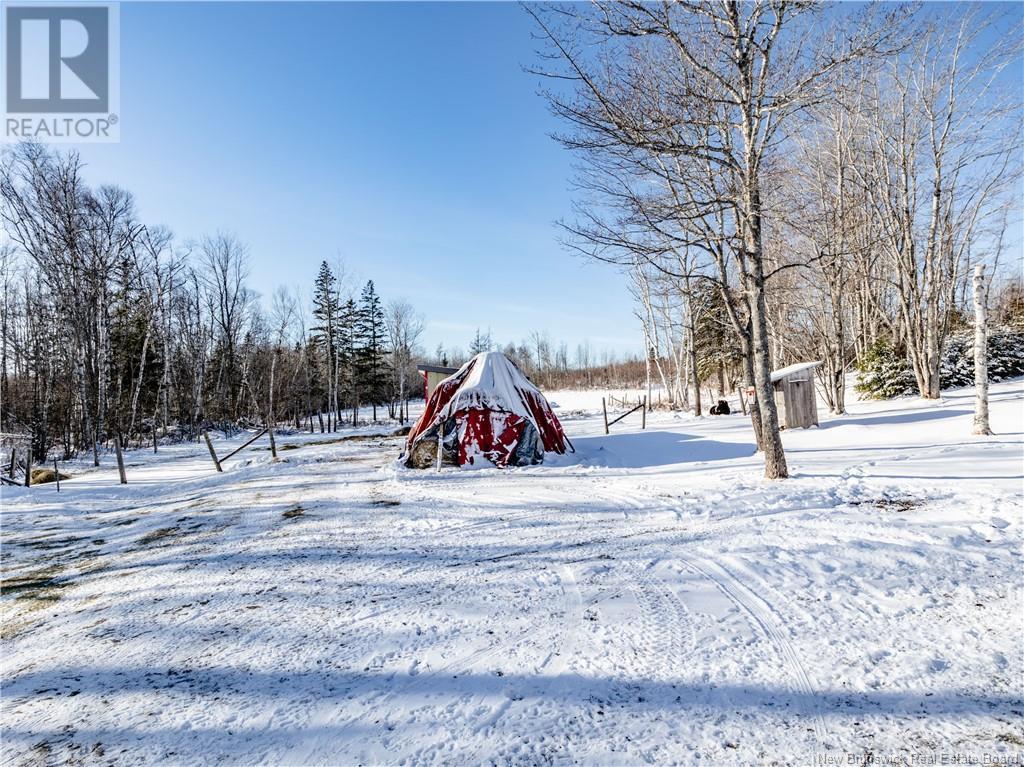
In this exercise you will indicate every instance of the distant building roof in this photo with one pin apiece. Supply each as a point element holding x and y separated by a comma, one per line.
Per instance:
<point>436,369</point>
<point>778,375</point>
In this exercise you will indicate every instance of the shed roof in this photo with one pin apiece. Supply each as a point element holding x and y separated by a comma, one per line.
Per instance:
<point>436,369</point>
<point>799,367</point>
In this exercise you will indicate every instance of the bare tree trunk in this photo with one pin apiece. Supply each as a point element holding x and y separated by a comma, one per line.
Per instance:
<point>137,388</point>
<point>980,354</point>
<point>120,459</point>
<point>271,415</point>
<point>335,402</point>
<point>771,440</point>
<point>692,354</point>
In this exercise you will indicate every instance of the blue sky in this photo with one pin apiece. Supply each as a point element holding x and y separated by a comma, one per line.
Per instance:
<point>403,137</point>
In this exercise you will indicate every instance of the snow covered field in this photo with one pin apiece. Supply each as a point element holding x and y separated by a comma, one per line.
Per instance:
<point>648,600</point>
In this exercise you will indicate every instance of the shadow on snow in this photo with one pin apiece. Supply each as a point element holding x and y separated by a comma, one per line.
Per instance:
<point>643,449</point>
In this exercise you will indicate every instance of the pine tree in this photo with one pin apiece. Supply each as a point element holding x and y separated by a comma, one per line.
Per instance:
<point>717,351</point>
<point>481,342</point>
<point>349,361</point>
<point>326,312</point>
<point>371,342</point>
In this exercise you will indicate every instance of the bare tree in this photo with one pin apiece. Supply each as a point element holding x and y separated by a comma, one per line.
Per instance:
<point>225,262</point>
<point>945,153</point>
<point>405,327</point>
<point>688,87</point>
<point>283,316</point>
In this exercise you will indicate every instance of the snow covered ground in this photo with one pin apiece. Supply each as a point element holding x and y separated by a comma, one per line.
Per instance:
<point>648,600</point>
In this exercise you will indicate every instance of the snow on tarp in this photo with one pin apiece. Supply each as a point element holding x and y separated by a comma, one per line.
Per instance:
<point>778,375</point>
<point>490,400</point>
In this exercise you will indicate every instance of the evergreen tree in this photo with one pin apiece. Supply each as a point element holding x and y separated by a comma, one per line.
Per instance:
<point>481,342</point>
<point>326,312</point>
<point>371,343</point>
<point>349,360</point>
<point>885,371</point>
<point>718,354</point>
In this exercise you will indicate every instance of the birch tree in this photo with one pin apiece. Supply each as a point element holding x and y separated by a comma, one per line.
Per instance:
<point>405,327</point>
<point>980,294</point>
<point>946,145</point>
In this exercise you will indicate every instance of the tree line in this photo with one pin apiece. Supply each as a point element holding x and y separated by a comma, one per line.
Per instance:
<point>552,365</point>
<point>785,181</point>
<point>110,327</point>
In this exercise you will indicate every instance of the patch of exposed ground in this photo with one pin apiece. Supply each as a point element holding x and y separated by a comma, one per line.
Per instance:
<point>897,505</point>
<point>159,534</point>
<point>27,594</point>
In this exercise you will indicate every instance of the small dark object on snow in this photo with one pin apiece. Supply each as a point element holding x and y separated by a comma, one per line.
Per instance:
<point>401,431</point>
<point>722,408</point>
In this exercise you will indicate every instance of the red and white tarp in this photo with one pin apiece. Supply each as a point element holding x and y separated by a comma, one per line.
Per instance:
<point>491,402</point>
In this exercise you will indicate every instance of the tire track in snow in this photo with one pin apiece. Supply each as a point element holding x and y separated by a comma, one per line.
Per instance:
<point>668,633</point>
<point>766,618</point>
<point>668,638</point>
<point>758,609</point>
<point>655,598</point>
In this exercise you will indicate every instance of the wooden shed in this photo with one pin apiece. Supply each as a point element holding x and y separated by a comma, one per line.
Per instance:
<point>795,397</point>
<point>432,376</point>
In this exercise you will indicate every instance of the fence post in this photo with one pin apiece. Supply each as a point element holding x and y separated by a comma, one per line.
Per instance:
<point>273,445</point>
<point>120,459</point>
<point>604,409</point>
<point>213,453</point>
<point>56,474</point>
<point>28,467</point>
<point>14,453</point>
<point>643,411</point>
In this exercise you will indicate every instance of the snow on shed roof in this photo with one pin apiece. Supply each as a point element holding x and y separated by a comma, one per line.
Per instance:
<point>778,375</point>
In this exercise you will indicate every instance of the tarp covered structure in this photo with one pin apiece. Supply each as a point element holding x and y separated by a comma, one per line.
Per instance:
<point>489,411</point>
